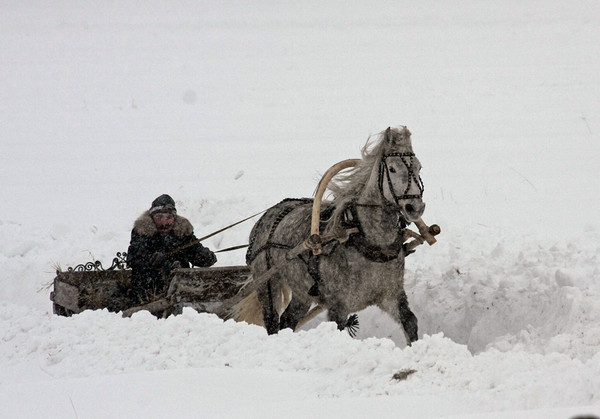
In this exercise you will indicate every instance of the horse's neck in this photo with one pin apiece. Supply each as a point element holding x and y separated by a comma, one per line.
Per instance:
<point>378,221</point>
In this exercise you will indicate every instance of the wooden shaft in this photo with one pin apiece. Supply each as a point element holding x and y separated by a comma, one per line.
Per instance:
<point>312,313</point>
<point>425,232</point>
<point>154,306</point>
<point>257,282</point>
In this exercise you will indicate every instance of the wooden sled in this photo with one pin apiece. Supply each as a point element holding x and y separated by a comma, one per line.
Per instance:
<point>89,287</point>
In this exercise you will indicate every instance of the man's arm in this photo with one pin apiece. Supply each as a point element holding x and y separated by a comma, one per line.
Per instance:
<point>138,253</point>
<point>198,255</point>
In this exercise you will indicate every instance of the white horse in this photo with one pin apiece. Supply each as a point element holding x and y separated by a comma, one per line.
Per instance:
<point>377,199</point>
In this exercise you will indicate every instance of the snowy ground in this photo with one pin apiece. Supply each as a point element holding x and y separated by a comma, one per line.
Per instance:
<point>230,107</point>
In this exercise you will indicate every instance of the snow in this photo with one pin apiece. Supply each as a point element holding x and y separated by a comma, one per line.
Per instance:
<point>230,107</point>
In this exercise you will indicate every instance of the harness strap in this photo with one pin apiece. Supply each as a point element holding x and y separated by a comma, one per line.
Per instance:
<point>311,260</point>
<point>269,244</point>
<point>368,250</point>
<point>312,266</point>
<point>269,259</point>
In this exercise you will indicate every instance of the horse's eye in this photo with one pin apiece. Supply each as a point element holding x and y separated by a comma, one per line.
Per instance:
<point>392,170</point>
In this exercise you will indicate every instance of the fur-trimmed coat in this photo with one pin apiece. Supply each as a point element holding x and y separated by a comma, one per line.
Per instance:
<point>147,242</point>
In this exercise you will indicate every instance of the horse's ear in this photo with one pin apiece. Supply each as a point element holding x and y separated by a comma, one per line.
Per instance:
<point>398,138</point>
<point>388,135</point>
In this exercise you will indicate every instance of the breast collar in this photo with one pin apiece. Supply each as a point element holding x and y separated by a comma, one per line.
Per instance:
<point>359,240</point>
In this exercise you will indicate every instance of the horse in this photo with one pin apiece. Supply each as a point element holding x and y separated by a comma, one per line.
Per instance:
<point>376,200</point>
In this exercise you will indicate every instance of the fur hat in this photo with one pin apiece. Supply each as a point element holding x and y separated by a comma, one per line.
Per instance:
<point>163,204</point>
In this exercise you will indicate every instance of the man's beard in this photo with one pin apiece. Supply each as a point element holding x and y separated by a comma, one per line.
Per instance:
<point>165,229</point>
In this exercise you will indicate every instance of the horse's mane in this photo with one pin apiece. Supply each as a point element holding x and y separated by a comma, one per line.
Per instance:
<point>349,184</point>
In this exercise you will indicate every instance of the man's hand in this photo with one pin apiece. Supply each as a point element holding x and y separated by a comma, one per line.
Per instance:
<point>205,258</point>
<point>212,259</point>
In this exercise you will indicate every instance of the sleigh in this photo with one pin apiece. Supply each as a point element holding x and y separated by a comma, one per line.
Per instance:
<point>91,287</point>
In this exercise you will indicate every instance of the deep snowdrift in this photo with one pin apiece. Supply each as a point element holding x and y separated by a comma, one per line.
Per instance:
<point>230,108</point>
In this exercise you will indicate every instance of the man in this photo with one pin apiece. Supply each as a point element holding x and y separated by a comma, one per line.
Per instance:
<point>157,239</point>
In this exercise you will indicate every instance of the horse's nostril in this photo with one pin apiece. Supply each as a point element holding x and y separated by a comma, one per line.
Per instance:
<point>409,208</point>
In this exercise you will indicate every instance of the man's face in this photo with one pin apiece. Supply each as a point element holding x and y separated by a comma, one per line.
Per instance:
<point>164,222</point>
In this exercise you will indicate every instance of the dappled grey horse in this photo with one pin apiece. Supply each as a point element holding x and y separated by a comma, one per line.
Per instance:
<point>375,200</point>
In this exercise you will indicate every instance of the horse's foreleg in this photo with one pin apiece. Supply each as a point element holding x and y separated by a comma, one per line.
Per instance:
<point>338,314</point>
<point>295,311</point>
<point>407,319</point>
<point>401,312</point>
<point>409,324</point>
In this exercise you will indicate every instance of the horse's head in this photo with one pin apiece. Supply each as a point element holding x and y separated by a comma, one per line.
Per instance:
<point>399,174</point>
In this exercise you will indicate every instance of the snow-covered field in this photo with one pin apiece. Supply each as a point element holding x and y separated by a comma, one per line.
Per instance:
<point>231,106</point>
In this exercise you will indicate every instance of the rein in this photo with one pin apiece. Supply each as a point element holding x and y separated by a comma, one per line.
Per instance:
<point>195,242</point>
<point>229,249</point>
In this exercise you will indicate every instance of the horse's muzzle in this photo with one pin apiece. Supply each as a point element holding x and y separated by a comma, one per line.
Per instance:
<point>413,209</point>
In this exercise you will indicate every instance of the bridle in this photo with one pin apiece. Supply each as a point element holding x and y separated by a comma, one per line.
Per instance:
<point>412,177</point>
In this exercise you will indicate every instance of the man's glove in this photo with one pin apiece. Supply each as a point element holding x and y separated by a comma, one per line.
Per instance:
<point>205,258</point>
<point>212,259</point>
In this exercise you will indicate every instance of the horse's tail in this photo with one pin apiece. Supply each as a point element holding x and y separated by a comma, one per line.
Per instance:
<point>249,310</point>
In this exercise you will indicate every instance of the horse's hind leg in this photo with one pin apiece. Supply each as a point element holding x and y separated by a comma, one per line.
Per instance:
<point>337,313</point>
<point>295,312</point>
<point>266,297</point>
